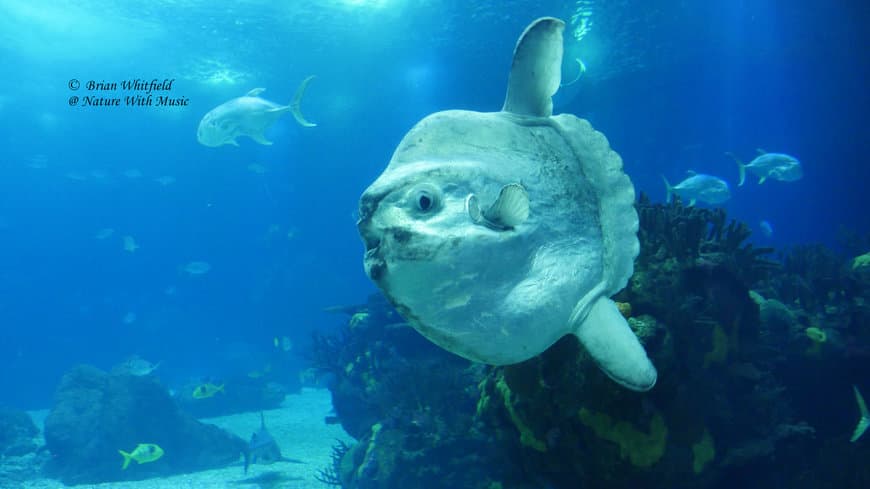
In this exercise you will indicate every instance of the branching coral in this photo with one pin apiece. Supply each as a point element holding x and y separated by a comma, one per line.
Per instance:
<point>688,233</point>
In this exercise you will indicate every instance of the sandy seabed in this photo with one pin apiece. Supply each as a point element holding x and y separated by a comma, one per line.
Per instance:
<point>297,426</point>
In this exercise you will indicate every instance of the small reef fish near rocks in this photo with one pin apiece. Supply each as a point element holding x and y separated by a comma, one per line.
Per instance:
<point>207,390</point>
<point>142,454</point>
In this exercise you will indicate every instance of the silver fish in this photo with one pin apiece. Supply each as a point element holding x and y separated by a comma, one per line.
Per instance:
<point>495,234</point>
<point>135,365</point>
<point>706,188</point>
<point>248,115</point>
<point>264,449</point>
<point>777,166</point>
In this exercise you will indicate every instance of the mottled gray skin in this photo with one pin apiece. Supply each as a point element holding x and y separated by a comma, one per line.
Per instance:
<point>501,296</point>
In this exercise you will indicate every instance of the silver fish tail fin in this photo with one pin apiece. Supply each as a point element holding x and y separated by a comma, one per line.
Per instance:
<point>740,168</point>
<point>669,189</point>
<point>864,421</point>
<point>297,99</point>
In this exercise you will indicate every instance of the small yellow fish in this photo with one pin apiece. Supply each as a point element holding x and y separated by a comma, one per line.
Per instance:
<point>207,390</point>
<point>142,454</point>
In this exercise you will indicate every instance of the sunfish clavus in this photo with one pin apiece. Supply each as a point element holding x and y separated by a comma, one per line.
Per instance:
<point>248,115</point>
<point>495,234</point>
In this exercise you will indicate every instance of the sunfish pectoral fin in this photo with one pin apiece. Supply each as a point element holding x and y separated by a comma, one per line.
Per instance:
<point>613,345</point>
<point>509,210</point>
<point>536,70</point>
<point>297,100</point>
<point>255,92</point>
<point>864,422</point>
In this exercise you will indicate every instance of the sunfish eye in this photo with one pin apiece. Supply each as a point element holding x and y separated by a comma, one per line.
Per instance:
<point>424,202</point>
<point>426,198</point>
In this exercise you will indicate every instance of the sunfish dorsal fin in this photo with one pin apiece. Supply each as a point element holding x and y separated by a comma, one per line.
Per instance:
<point>536,70</point>
<point>255,92</point>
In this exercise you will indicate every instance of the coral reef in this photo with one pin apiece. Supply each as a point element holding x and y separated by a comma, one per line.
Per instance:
<point>96,414</point>
<point>730,330</point>
<point>16,432</point>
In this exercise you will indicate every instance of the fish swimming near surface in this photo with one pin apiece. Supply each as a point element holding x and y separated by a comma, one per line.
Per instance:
<point>777,166</point>
<point>264,449</point>
<point>699,187</point>
<point>248,115</point>
<point>864,420</point>
<point>142,454</point>
<point>495,234</point>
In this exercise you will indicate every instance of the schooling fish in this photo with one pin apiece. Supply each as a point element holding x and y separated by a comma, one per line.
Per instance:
<point>706,188</point>
<point>142,454</point>
<point>248,115</point>
<point>777,166</point>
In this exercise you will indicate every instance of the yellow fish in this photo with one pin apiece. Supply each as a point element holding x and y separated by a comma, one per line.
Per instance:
<point>207,390</point>
<point>142,454</point>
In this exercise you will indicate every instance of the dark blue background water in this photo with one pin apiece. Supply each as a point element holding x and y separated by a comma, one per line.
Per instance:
<point>673,86</point>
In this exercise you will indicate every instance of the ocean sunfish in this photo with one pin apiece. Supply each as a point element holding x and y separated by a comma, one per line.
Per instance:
<point>777,166</point>
<point>248,115</point>
<point>495,234</point>
<point>699,187</point>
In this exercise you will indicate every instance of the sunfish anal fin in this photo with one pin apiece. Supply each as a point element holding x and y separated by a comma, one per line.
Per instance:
<point>536,70</point>
<point>613,345</point>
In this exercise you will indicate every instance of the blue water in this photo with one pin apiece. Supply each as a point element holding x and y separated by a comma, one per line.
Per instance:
<point>674,86</point>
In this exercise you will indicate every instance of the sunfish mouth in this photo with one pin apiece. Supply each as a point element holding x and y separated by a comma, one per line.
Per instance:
<point>375,265</point>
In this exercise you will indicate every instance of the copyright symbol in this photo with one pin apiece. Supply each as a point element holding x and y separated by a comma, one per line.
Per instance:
<point>74,84</point>
<point>73,101</point>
